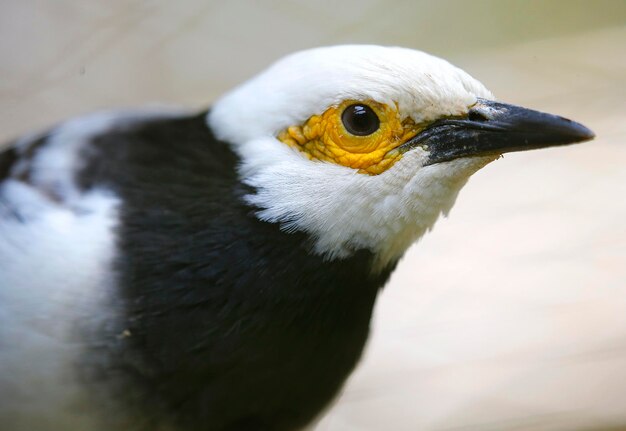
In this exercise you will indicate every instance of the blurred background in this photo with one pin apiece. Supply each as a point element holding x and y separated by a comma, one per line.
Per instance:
<point>511,314</point>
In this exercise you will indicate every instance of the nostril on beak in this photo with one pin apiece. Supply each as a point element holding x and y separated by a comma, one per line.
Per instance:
<point>476,115</point>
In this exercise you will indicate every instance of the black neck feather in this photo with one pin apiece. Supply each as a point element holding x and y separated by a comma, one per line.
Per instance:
<point>232,323</point>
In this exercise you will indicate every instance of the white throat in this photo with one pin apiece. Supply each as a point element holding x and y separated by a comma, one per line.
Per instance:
<point>344,211</point>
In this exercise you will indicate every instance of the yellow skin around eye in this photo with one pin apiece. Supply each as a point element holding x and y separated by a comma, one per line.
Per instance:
<point>323,137</point>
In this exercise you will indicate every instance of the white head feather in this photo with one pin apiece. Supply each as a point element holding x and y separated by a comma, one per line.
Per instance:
<point>344,210</point>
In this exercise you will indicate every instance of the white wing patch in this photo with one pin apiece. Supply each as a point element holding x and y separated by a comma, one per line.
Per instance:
<point>55,269</point>
<point>57,246</point>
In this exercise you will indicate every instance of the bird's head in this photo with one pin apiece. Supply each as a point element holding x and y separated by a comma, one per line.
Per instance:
<point>363,147</point>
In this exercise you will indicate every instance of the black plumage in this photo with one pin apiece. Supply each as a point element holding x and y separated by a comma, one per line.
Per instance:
<point>227,322</point>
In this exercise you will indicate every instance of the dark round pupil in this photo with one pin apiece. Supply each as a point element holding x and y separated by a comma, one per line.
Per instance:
<point>360,120</point>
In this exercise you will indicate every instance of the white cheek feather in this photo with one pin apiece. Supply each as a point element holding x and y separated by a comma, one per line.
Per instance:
<point>345,211</point>
<point>341,209</point>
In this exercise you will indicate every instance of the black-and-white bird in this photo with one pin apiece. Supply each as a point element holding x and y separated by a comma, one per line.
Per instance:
<point>217,271</point>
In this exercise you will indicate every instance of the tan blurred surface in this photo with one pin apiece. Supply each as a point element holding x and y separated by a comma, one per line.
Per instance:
<point>511,314</point>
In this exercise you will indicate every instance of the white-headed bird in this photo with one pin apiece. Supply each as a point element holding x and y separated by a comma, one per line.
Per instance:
<point>217,271</point>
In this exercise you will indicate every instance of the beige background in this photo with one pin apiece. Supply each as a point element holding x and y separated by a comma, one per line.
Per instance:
<point>511,314</point>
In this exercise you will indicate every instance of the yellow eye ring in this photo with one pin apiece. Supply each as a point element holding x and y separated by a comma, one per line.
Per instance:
<point>326,137</point>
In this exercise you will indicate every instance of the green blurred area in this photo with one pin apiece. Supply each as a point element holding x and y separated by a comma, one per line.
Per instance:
<point>450,26</point>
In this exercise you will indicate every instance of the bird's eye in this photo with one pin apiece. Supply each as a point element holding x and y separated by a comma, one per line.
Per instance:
<point>360,120</point>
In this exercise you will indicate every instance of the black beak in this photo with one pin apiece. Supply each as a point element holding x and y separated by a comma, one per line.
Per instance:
<point>493,128</point>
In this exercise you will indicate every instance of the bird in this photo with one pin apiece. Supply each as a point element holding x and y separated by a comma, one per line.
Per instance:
<point>217,270</point>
